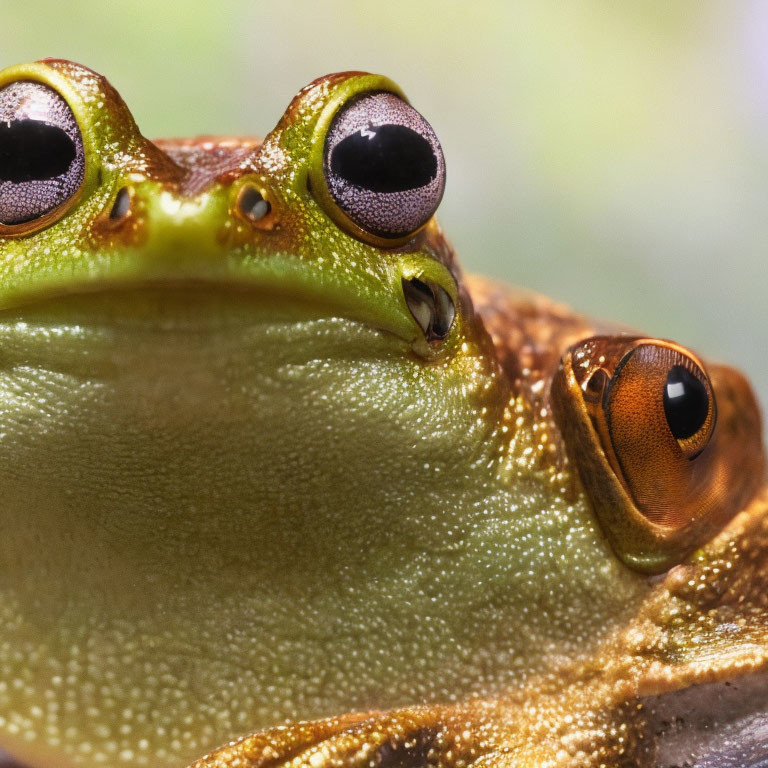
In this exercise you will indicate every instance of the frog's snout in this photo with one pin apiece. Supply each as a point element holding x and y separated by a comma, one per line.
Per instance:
<point>168,223</point>
<point>141,213</point>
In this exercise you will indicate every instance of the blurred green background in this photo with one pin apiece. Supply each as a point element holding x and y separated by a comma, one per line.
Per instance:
<point>610,154</point>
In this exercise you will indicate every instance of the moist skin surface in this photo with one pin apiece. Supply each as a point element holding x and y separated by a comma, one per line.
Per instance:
<point>264,471</point>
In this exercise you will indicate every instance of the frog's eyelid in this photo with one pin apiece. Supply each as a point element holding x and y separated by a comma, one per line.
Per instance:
<point>431,307</point>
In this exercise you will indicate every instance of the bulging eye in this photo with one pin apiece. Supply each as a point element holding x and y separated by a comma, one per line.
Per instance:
<point>383,165</point>
<point>666,388</point>
<point>660,415</point>
<point>42,162</point>
<point>665,462</point>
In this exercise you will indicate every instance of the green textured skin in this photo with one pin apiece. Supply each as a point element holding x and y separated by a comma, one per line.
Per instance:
<point>239,487</point>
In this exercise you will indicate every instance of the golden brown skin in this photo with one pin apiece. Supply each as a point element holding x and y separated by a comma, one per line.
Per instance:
<point>705,621</point>
<point>565,656</point>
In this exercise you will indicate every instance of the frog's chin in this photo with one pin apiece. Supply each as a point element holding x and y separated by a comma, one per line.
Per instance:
<point>172,335</point>
<point>213,488</point>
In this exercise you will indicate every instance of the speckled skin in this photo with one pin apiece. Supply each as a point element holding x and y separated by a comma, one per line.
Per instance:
<point>240,488</point>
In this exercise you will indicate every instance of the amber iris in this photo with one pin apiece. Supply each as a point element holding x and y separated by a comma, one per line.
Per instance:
<point>662,444</point>
<point>652,451</point>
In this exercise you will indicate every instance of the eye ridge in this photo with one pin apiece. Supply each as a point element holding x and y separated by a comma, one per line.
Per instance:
<point>31,150</point>
<point>385,158</point>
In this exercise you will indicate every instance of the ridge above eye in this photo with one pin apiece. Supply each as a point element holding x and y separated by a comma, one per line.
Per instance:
<point>42,162</point>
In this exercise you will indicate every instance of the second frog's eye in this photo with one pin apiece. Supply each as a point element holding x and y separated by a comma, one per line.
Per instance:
<point>659,415</point>
<point>662,392</point>
<point>653,408</point>
<point>383,165</point>
<point>42,162</point>
<point>665,461</point>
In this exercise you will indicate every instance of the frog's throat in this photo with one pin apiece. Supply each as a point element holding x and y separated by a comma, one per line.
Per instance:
<point>286,517</point>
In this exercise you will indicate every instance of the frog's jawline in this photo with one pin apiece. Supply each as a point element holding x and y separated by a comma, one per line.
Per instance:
<point>176,305</point>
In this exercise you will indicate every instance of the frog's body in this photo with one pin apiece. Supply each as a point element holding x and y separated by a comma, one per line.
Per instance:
<point>261,463</point>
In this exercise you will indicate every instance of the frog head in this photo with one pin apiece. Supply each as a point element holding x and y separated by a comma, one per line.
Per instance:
<point>266,453</point>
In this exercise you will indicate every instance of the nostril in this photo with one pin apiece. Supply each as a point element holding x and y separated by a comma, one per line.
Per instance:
<point>594,387</point>
<point>252,204</point>
<point>122,205</point>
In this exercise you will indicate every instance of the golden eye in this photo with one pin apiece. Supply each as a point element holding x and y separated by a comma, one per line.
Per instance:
<point>670,376</point>
<point>659,410</point>
<point>664,461</point>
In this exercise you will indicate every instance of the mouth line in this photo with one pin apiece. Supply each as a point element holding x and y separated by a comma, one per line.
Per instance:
<point>180,305</point>
<point>180,330</point>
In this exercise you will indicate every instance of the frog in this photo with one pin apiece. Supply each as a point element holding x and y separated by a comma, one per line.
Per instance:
<point>281,485</point>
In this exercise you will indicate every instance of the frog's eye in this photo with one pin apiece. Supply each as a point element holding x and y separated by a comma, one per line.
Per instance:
<point>42,163</point>
<point>659,415</point>
<point>383,165</point>
<point>662,457</point>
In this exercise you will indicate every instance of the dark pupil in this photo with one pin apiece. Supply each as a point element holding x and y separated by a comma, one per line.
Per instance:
<point>385,158</point>
<point>33,151</point>
<point>686,402</point>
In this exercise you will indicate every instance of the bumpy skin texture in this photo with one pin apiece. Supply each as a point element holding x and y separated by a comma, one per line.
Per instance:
<point>240,488</point>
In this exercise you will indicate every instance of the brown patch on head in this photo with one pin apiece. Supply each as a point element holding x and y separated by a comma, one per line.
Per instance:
<point>530,332</point>
<point>206,160</point>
